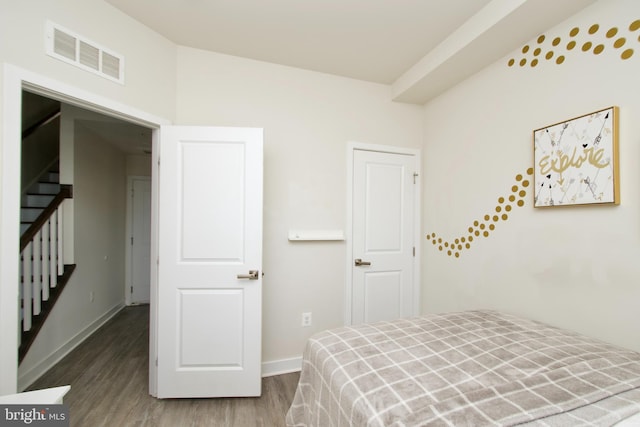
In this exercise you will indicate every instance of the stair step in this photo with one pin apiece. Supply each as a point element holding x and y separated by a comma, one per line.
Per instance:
<point>30,214</point>
<point>38,200</point>
<point>52,177</point>
<point>44,188</point>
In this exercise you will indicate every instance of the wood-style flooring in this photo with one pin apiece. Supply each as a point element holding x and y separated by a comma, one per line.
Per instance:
<point>108,374</point>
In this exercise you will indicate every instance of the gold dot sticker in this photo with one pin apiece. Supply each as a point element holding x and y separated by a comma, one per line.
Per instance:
<point>541,39</point>
<point>530,171</point>
<point>627,54</point>
<point>537,51</point>
<point>612,32</point>
<point>518,177</point>
<point>619,43</point>
<point>522,193</point>
<point>500,199</point>
<point>511,62</point>
<point>534,63</point>
<point>571,45</point>
<point>523,62</point>
<point>549,55</point>
<point>560,59</point>
<point>505,217</point>
<point>525,183</point>
<point>521,203</point>
<point>586,46</point>
<point>525,49</point>
<point>594,29</point>
<point>556,41</point>
<point>486,218</point>
<point>598,49</point>
<point>635,25</point>
<point>574,32</point>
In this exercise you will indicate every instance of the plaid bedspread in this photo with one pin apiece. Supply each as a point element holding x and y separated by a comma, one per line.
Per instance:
<point>476,368</point>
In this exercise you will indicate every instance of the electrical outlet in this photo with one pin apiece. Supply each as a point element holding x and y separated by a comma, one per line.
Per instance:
<point>306,319</point>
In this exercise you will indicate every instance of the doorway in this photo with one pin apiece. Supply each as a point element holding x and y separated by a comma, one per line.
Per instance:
<point>383,280</point>
<point>15,81</point>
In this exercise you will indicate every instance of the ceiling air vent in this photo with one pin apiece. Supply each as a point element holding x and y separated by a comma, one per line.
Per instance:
<point>71,48</point>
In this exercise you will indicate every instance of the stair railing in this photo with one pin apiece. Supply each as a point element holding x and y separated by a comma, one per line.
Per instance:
<point>41,257</point>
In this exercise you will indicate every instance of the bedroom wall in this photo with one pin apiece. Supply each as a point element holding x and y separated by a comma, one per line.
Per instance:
<point>308,118</point>
<point>575,267</point>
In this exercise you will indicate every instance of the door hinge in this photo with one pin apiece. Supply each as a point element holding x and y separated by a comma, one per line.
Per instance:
<point>414,251</point>
<point>415,175</point>
<point>131,240</point>
<point>131,289</point>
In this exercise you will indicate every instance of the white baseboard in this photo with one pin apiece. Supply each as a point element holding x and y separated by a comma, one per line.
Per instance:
<point>25,379</point>
<point>282,366</point>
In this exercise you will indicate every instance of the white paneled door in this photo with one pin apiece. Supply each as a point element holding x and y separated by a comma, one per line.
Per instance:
<point>383,230</point>
<point>140,240</point>
<point>210,262</point>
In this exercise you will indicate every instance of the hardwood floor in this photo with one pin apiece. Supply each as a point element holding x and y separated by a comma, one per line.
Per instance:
<point>108,374</point>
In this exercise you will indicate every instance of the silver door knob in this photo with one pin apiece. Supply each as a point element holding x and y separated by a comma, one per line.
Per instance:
<point>358,262</point>
<point>253,275</point>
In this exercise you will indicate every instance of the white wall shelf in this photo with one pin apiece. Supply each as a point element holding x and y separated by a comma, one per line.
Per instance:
<point>315,235</point>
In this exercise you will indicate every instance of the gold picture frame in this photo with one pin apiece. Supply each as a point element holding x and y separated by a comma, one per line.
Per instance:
<point>576,161</point>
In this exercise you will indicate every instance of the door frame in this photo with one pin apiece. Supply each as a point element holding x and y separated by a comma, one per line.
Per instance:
<point>128,234</point>
<point>352,147</point>
<point>15,79</point>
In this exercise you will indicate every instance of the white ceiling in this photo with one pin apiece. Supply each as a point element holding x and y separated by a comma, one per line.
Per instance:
<point>396,42</point>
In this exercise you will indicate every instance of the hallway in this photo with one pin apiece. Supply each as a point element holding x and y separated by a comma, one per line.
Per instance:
<point>108,374</point>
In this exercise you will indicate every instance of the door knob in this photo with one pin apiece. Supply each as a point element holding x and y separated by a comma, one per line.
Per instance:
<point>358,262</point>
<point>253,275</point>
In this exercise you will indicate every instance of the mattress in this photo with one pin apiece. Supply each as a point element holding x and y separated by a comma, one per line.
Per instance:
<point>473,368</point>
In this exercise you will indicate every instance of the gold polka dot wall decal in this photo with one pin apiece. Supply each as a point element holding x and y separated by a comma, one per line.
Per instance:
<point>458,245</point>
<point>584,40</point>
<point>522,193</point>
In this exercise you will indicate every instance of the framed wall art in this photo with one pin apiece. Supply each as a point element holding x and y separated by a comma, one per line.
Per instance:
<point>576,161</point>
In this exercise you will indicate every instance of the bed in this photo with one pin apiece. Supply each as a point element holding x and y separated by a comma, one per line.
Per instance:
<point>473,368</point>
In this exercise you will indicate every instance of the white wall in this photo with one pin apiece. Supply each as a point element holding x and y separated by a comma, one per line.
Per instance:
<point>307,119</point>
<point>573,267</point>
<point>99,208</point>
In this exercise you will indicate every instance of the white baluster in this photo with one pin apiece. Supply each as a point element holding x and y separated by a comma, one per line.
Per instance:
<point>59,217</point>
<point>53,250</point>
<point>26,288</point>
<point>46,280</point>
<point>37,278</point>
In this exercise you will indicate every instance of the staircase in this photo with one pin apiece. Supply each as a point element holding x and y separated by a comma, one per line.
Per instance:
<point>43,274</point>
